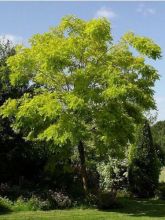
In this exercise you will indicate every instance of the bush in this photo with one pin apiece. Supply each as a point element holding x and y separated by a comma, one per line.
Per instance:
<point>161,191</point>
<point>107,200</point>
<point>123,194</point>
<point>20,205</point>
<point>91,200</point>
<point>14,191</point>
<point>35,203</point>
<point>49,200</point>
<point>32,204</point>
<point>113,174</point>
<point>59,200</point>
<point>4,189</point>
<point>5,204</point>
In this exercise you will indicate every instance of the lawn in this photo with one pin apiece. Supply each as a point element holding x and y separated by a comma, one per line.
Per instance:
<point>131,210</point>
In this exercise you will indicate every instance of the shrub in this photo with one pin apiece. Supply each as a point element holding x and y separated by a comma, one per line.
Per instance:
<point>32,204</point>
<point>161,191</point>
<point>123,194</point>
<point>35,203</point>
<point>91,200</point>
<point>4,189</point>
<point>59,200</point>
<point>5,204</point>
<point>20,205</point>
<point>51,200</point>
<point>13,192</point>
<point>107,200</point>
<point>113,174</point>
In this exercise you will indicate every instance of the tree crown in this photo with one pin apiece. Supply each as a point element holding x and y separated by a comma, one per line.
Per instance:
<point>84,86</point>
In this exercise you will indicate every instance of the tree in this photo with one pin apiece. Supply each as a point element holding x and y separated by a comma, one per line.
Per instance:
<point>144,167</point>
<point>158,132</point>
<point>13,148</point>
<point>85,87</point>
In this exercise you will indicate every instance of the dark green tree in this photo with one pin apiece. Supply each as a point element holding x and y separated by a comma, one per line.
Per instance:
<point>158,133</point>
<point>17,157</point>
<point>144,166</point>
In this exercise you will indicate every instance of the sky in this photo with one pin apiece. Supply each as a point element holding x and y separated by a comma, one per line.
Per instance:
<point>20,20</point>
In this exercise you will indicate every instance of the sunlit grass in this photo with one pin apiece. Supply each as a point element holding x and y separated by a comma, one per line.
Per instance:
<point>130,210</point>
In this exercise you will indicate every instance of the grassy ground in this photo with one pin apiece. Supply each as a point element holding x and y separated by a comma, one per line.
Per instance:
<point>130,210</point>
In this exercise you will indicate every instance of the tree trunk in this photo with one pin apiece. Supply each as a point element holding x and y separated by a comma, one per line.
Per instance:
<point>83,166</point>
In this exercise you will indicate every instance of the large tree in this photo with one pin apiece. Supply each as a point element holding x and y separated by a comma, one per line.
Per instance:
<point>86,87</point>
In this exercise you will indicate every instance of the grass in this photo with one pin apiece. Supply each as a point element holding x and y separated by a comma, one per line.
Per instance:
<point>130,210</point>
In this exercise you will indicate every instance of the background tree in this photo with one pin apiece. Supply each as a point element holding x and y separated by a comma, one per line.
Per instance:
<point>144,167</point>
<point>85,87</point>
<point>17,157</point>
<point>158,132</point>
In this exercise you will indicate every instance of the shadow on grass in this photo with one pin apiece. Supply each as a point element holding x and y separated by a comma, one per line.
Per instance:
<point>139,207</point>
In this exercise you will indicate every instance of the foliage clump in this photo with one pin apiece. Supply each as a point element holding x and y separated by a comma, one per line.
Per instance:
<point>113,174</point>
